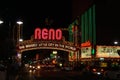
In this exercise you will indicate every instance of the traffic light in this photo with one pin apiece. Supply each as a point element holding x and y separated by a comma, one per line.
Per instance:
<point>93,51</point>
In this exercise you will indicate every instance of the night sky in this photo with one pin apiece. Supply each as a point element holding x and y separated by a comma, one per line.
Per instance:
<point>107,21</point>
<point>60,12</point>
<point>34,14</point>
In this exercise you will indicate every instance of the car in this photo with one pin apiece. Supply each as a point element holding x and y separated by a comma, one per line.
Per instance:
<point>2,67</point>
<point>33,68</point>
<point>113,73</point>
<point>67,68</point>
<point>98,70</point>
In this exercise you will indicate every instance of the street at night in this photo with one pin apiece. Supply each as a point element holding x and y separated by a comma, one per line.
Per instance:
<point>59,75</point>
<point>60,40</point>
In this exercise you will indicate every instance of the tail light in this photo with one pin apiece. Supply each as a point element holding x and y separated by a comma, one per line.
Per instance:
<point>94,70</point>
<point>102,70</point>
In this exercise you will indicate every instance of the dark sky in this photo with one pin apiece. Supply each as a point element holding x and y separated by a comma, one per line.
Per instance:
<point>107,21</point>
<point>33,14</point>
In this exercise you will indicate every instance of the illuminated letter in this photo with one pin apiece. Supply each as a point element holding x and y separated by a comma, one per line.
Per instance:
<point>51,34</point>
<point>44,34</point>
<point>37,33</point>
<point>58,34</point>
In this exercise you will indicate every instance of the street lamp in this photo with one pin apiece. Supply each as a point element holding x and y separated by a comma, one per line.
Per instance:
<point>15,30</point>
<point>54,52</point>
<point>115,42</point>
<point>20,40</point>
<point>19,22</point>
<point>1,22</point>
<point>19,31</point>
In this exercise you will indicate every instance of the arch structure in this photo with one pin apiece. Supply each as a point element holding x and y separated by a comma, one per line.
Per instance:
<point>32,44</point>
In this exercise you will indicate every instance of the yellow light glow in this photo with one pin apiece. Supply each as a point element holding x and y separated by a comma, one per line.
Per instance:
<point>38,67</point>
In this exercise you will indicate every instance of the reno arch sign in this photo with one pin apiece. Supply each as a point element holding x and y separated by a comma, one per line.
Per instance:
<point>47,34</point>
<point>47,39</point>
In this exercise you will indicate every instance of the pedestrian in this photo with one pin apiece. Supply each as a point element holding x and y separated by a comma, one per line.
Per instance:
<point>2,71</point>
<point>13,70</point>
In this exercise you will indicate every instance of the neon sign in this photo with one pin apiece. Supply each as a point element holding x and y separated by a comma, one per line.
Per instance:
<point>48,34</point>
<point>86,44</point>
<point>48,45</point>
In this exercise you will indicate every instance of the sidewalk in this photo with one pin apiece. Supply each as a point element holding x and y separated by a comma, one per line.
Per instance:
<point>2,75</point>
<point>25,75</point>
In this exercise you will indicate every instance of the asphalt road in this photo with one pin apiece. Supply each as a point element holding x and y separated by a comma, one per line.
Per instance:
<point>62,75</point>
<point>58,75</point>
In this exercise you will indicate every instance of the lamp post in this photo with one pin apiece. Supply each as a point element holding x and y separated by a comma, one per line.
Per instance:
<point>19,32</point>
<point>19,38</point>
<point>1,22</point>
<point>13,32</point>
<point>115,42</point>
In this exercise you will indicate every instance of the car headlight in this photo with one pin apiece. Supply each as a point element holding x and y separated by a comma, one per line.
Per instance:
<point>102,70</point>
<point>98,73</point>
<point>94,70</point>
<point>38,67</point>
<point>30,66</point>
<point>30,71</point>
<point>33,67</point>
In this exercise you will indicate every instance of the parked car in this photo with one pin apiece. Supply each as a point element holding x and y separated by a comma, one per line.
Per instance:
<point>33,67</point>
<point>2,71</point>
<point>2,67</point>
<point>98,70</point>
<point>113,73</point>
<point>67,68</point>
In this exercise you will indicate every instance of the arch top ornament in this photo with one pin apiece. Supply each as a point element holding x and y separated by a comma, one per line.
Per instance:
<point>47,39</point>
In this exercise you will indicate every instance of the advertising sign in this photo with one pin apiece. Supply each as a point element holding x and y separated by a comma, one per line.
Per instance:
<point>86,52</point>
<point>107,51</point>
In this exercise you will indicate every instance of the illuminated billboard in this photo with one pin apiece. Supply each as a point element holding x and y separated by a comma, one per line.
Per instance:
<point>86,52</point>
<point>107,51</point>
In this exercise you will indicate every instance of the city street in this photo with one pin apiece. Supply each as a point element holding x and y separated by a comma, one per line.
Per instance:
<point>60,40</point>
<point>57,75</point>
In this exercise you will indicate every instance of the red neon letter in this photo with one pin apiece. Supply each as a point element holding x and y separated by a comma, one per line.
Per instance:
<point>51,34</point>
<point>44,34</point>
<point>58,34</point>
<point>37,33</point>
